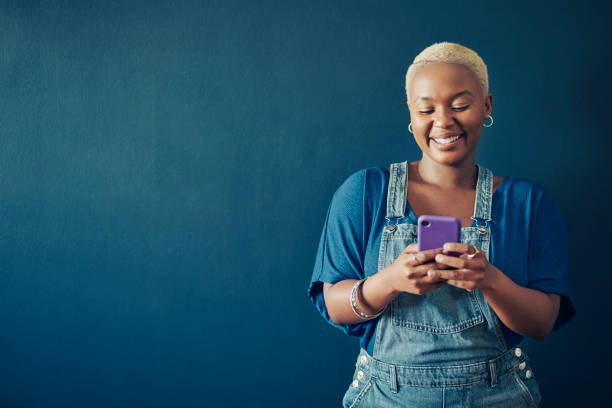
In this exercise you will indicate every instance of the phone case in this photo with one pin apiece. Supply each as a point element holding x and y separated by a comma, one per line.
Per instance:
<point>434,230</point>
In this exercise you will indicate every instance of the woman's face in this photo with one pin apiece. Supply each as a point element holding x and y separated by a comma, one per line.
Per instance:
<point>446,101</point>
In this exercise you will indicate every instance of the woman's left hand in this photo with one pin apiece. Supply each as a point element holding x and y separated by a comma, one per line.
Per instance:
<point>471,270</point>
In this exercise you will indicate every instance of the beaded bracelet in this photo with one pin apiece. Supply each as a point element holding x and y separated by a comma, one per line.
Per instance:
<point>356,308</point>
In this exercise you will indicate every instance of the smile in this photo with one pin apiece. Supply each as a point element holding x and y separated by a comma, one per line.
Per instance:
<point>448,139</point>
<point>447,142</point>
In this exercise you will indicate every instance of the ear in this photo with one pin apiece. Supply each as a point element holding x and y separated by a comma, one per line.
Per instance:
<point>488,103</point>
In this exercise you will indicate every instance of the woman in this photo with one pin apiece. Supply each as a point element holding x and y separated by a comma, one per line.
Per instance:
<point>442,327</point>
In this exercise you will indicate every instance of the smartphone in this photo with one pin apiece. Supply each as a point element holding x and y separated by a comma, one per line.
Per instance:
<point>435,230</point>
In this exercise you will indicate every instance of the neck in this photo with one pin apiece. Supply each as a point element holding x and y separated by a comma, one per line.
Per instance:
<point>459,176</point>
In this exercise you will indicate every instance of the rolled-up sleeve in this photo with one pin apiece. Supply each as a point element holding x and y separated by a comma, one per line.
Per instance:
<point>341,250</point>
<point>548,261</point>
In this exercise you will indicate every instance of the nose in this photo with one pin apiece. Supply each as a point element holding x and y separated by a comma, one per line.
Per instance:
<point>443,118</point>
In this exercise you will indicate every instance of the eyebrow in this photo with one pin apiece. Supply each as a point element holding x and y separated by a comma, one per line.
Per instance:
<point>466,92</point>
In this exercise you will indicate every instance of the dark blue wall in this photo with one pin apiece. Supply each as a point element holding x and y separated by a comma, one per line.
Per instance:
<point>165,169</point>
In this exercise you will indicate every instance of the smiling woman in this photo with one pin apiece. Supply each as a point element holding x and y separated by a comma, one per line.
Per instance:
<point>442,327</point>
<point>448,99</point>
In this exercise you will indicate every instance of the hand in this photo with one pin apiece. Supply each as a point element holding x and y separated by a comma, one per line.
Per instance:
<point>471,270</point>
<point>408,273</point>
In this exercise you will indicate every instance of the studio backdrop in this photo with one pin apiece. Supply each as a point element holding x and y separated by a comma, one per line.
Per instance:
<point>166,168</point>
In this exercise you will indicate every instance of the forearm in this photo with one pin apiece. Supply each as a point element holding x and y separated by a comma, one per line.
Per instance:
<point>376,293</point>
<point>526,311</point>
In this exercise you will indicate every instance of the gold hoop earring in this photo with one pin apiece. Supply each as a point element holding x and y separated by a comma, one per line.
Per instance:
<point>410,127</point>
<point>490,124</point>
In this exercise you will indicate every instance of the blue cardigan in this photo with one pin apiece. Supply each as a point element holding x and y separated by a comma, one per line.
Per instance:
<point>529,243</point>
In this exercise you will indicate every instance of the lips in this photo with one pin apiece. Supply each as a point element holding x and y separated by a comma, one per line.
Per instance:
<point>447,144</point>
<point>446,136</point>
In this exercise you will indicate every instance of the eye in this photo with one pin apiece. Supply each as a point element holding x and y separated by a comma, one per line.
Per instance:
<point>455,108</point>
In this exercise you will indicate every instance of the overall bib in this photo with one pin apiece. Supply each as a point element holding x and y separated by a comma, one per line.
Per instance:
<point>444,348</point>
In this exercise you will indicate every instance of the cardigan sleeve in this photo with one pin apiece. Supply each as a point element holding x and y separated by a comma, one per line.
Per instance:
<point>341,250</point>
<point>548,260</point>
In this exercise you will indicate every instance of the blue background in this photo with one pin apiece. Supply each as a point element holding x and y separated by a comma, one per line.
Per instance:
<point>165,169</point>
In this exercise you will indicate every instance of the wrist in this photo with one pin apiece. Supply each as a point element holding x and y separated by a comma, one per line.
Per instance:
<point>384,283</point>
<point>492,280</point>
<point>364,309</point>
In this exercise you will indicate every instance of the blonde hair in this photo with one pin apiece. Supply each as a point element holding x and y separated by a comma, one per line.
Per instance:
<point>451,53</point>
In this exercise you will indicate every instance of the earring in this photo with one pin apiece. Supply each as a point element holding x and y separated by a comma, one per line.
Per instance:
<point>410,127</point>
<point>490,124</point>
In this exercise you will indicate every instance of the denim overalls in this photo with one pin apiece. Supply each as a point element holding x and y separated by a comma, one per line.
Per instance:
<point>444,348</point>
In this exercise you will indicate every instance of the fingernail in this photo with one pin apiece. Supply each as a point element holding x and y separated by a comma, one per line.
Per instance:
<point>431,273</point>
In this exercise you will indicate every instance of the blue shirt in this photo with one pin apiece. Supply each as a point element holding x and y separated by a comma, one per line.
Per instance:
<point>529,243</point>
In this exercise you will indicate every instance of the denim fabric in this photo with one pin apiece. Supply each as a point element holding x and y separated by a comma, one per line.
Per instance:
<point>499,382</point>
<point>529,243</point>
<point>444,348</point>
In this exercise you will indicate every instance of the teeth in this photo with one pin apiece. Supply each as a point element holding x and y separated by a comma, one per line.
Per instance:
<point>448,140</point>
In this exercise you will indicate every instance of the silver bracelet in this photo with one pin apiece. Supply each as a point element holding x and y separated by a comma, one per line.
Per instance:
<point>356,308</point>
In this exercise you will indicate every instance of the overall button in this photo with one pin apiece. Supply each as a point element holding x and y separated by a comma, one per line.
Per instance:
<point>522,365</point>
<point>355,384</point>
<point>528,374</point>
<point>360,375</point>
<point>518,352</point>
<point>364,360</point>
<point>391,228</point>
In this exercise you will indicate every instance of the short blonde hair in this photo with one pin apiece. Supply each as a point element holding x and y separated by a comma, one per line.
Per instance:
<point>451,53</point>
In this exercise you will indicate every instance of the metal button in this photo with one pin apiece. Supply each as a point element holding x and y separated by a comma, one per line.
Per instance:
<point>518,352</point>
<point>391,228</point>
<point>364,360</point>
<point>360,375</point>
<point>522,365</point>
<point>355,384</point>
<point>528,374</point>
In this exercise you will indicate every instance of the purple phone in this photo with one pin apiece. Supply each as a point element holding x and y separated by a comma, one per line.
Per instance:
<point>435,230</point>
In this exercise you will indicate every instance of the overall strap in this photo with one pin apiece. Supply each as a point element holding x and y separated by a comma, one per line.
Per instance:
<point>396,193</point>
<point>484,194</point>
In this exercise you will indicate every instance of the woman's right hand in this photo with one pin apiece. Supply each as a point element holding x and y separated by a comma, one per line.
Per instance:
<point>408,273</point>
